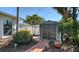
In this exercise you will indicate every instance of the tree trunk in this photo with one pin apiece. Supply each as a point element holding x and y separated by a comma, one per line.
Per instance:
<point>32,29</point>
<point>74,26</point>
<point>62,32</point>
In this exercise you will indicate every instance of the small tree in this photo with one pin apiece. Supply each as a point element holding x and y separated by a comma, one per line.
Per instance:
<point>34,20</point>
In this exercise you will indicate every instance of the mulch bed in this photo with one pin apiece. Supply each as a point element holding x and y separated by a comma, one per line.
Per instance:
<point>20,48</point>
<point>53,50</point>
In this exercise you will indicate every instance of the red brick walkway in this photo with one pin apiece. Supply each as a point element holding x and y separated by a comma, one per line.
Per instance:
<point>38,47</point>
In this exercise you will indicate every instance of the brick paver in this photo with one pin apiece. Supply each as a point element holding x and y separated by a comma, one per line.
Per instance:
<point>4,42</point>
<point>38,47</point>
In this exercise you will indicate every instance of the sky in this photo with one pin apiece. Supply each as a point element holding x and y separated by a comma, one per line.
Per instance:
<point>47,13</point>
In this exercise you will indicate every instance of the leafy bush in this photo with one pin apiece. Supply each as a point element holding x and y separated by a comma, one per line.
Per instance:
<point>22,37</point>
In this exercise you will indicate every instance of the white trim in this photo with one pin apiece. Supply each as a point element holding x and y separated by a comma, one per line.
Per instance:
<point>6,36</point>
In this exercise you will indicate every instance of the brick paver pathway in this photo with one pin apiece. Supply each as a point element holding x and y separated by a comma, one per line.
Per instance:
<point>39,47</point>
<point>4,42</point>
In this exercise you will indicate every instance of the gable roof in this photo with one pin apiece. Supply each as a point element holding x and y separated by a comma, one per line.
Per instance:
<point>7,14</point>
<point>51,22</point>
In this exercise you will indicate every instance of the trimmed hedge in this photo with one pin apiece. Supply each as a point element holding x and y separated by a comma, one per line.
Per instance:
<point>22,37</point>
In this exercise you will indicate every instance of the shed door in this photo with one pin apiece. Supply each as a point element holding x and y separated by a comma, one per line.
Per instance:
<point>49,32</point>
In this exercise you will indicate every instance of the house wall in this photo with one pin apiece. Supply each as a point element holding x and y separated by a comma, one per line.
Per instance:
<point>34,29</point>
<point>1,28</point>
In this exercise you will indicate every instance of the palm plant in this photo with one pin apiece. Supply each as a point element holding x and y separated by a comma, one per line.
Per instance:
<point>34,20</point>
<point>65,13</point>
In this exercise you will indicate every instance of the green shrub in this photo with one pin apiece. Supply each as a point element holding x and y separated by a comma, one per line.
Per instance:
<point>22,37</point>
